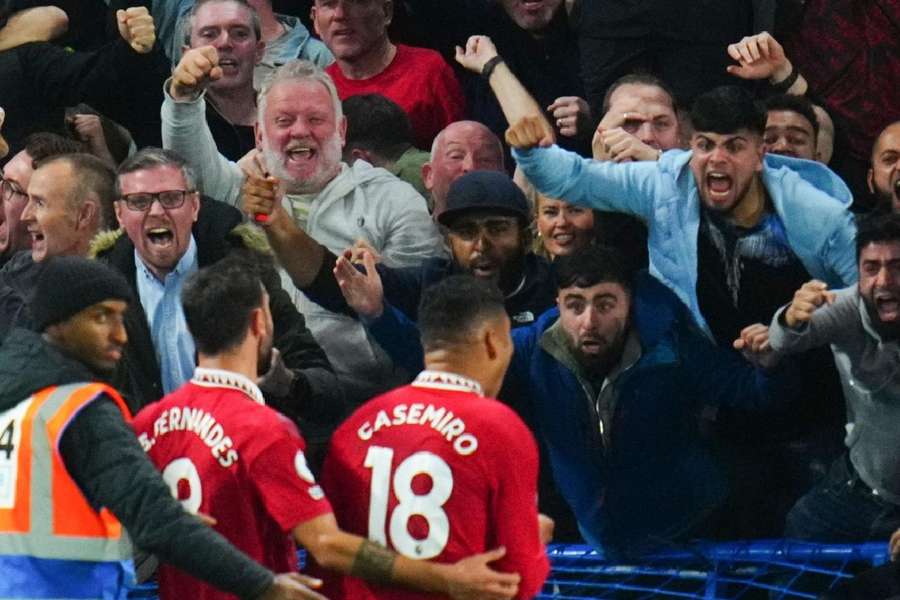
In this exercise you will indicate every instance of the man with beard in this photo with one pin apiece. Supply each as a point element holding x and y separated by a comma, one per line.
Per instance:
<point>300,132</point>
<point>860,498</point>
<point>612,384</point>
<point>247,470</point>
<point>486,227</point>
<point>884,169</point>
<point>74,472</point>
<point>733,231</point>
<point>169,232</point>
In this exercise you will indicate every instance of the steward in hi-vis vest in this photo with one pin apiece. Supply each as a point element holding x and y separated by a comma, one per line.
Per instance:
<point>52,541</point>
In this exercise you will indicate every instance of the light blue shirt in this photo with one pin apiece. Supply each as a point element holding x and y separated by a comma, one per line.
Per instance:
<point>161,300</point>
<point>811,202</point>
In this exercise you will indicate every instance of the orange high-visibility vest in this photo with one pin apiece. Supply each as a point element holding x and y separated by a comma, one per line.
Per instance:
<point>53,544</point>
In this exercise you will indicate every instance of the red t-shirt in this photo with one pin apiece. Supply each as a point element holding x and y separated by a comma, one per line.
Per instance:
<point>241,462</point>
<point>419,81</point>
<point>435,471</point>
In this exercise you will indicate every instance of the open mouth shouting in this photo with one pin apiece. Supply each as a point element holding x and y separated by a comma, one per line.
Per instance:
<point>160,237</point>
<point>483,268</point>
<point>38,246</point>
<point>299,154</point>
<point>887,304</point>
<point>718,186</point>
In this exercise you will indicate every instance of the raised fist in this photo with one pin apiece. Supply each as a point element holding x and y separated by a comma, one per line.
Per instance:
<point>197,68</point>
<point>529,132</point>
<point>136,28</point>
<point>806,301</point>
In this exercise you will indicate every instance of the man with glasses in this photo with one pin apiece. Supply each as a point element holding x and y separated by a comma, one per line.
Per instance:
<point>14,183</point>
<point>69,200</point>
<point>169,233</point>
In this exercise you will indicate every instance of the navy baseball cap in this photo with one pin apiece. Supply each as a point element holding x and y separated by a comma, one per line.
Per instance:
<point>491,191</point>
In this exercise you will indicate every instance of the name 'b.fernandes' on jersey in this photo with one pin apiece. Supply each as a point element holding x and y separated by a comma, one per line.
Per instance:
<point>232,458</point>
<point>436,471</point>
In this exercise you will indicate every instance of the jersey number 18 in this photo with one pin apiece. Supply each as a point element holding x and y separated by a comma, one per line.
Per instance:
<point>428,506</point>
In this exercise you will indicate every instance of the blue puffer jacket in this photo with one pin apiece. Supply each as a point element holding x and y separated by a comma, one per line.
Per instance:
<point>656,477</point>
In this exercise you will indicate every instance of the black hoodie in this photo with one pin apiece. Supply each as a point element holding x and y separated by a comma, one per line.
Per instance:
<point>103,457</point>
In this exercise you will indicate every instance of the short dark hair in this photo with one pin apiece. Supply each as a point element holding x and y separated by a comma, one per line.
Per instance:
<point>727,109</point>
<point>639,78</point>
<point>877,228</point>
<point>187,21</point>
<point>377,124</point>
<point>43,145</point>
<point>453,308</point>
<point>592,265</point>
<point>92,176</point>
<point>152,157</point>
<point>795,104</point>
<point>218,301</point>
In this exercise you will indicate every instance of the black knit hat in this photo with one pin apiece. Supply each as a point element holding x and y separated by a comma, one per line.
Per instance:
<point>485,190</point>
<point>69,284</point>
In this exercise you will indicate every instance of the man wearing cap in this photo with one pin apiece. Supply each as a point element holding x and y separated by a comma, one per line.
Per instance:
<point>485,226</point>
<point>72,471</point>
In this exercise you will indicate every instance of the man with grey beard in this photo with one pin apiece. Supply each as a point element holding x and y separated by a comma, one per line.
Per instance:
<point>300,132</point>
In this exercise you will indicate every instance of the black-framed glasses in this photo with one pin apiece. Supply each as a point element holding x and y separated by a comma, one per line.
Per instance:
<point>9,190</point>
<point>168,199</point>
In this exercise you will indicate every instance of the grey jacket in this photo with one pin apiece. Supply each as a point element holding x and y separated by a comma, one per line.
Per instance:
<point>361,202</point>
<point>870,373</point>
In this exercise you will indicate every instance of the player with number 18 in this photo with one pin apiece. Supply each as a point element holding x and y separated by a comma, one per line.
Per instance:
<point>438,469</point>
<point>227,455</point>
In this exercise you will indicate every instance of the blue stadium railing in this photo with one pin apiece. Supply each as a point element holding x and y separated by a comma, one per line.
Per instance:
<point>765,569</point>
<point>768,569</point>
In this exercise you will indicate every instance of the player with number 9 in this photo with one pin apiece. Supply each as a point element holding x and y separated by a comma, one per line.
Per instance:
<point>227,455</point>
<point>438,469</point>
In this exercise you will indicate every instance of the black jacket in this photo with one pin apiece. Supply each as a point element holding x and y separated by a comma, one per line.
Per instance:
<point>316,400</point>
<point>40,79</point>
<point>102,455</point>
<point>403,287</point>
<point>17,280</point>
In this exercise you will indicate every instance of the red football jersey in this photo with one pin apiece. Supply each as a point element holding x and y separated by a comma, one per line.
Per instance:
<point>225,455</point>
<point>435,471</point>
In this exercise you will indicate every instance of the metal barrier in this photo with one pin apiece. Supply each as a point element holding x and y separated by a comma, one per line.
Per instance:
<point>765,569</point>
<point>752,569</point>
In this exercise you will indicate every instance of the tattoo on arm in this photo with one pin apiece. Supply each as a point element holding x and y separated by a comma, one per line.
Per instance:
<point>373,562</point>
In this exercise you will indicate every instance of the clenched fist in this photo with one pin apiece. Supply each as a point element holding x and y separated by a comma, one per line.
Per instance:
<point>806,301</point>
<point>197,68</point>
<point>136,28</point>
<point>529,132</point>
<point>261,198</point>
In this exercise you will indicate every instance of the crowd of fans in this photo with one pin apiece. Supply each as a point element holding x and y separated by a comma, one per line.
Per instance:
<point>666,235</point>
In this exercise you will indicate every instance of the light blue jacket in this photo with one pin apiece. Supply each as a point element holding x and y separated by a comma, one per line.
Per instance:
<point>810,199</point>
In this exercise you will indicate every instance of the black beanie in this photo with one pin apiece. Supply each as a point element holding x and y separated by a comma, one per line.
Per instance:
<point>69,284</point>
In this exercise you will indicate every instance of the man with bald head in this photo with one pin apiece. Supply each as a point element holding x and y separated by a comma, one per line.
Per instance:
<point>884,169</point>
<point>461,147</point>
